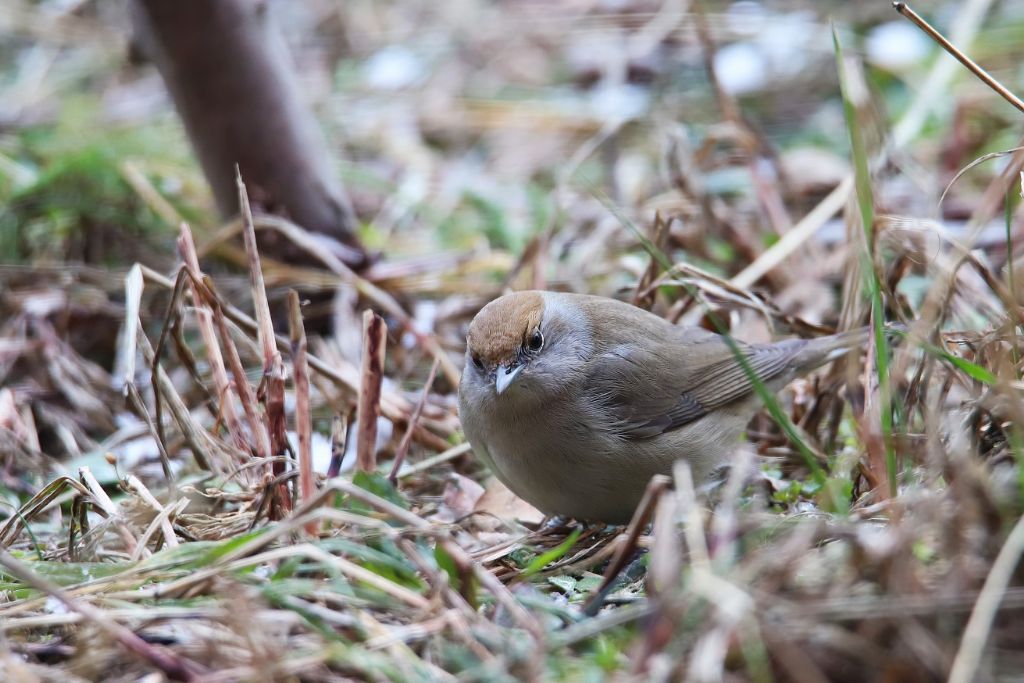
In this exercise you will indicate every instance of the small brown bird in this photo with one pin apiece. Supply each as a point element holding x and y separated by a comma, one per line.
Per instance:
<point>576,401</point>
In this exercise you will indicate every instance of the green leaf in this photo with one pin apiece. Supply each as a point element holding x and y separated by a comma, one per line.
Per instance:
<point>381,556</point>
<point>607,653</point>
<point>589,582</point>
<point>544,559</point>
<point>463,582</point>
<point>520,557</point>
<point>68,573</point>
<point>972,370</point>
<point>835,495</point>
<point>222,549</point>
<point>185,556</point>
<point>377,484</point>
<point>286,570</point>
<point>566,584</point>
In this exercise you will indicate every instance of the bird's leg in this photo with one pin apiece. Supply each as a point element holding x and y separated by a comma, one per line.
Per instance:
<point>556,523</point>
<point>658,484</point>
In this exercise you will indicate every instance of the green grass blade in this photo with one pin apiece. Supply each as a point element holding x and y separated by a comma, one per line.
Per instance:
<point>865,204</point>
<point>544,559</point>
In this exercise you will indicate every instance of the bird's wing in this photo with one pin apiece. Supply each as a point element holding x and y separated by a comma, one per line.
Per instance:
<point>647,394</point>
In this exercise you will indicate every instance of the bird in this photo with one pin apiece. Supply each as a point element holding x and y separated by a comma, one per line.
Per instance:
<point>576,401</point>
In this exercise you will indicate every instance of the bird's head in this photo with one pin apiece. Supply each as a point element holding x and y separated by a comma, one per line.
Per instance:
<point>526,343</point>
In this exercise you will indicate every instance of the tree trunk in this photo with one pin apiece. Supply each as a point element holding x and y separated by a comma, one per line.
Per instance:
<point>232,81</point>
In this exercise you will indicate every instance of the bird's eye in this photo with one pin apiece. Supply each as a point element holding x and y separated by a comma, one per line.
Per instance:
<point>477,362</point>
<point>536,341</point>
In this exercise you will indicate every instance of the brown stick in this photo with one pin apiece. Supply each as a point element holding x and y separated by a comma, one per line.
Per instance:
<point>393,405</point>
<point>972,66</point>
<point>303,420</point>
<point>245,392</point>
<point>380,298</point>
<point>374,345</point>
<point>225,399</point>
<point>273,365</point>
<point>658,484</point>
<point>339,443</point>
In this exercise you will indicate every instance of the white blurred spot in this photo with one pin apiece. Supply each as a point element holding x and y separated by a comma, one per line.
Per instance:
<point>740,68</point>
<point>619,102</point>
<point>896,46</point>
<point>393,68</point>
<point>321,446</point>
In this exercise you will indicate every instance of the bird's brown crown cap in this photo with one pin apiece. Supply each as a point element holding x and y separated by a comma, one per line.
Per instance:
<point>498,331</point>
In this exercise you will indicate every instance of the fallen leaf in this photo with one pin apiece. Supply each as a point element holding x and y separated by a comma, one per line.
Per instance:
<point>499,501</point>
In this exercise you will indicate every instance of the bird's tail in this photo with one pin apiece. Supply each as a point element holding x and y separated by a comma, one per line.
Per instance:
<point>823,350</point>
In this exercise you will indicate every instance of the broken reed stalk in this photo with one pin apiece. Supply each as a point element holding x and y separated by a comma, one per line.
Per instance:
<point>393,405</point>
<point>403,447</point>
<point>372,375</point>
<point>339,443</point>
<point>225,400</point>
<point>204,319</point>
<point>276,424</point>
<point>128,350</point>
<point>133,483</point>
<point>371,292</point>
<point>273,365</point>
<point>246,395</point>
<point>197,438</point>
<point>101,499</point>
<point>303,419</point>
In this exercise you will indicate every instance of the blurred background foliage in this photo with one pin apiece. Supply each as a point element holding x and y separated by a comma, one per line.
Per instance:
<point>452,123</point>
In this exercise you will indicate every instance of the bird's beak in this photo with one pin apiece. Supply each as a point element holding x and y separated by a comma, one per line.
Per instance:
<point>504,376</point>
